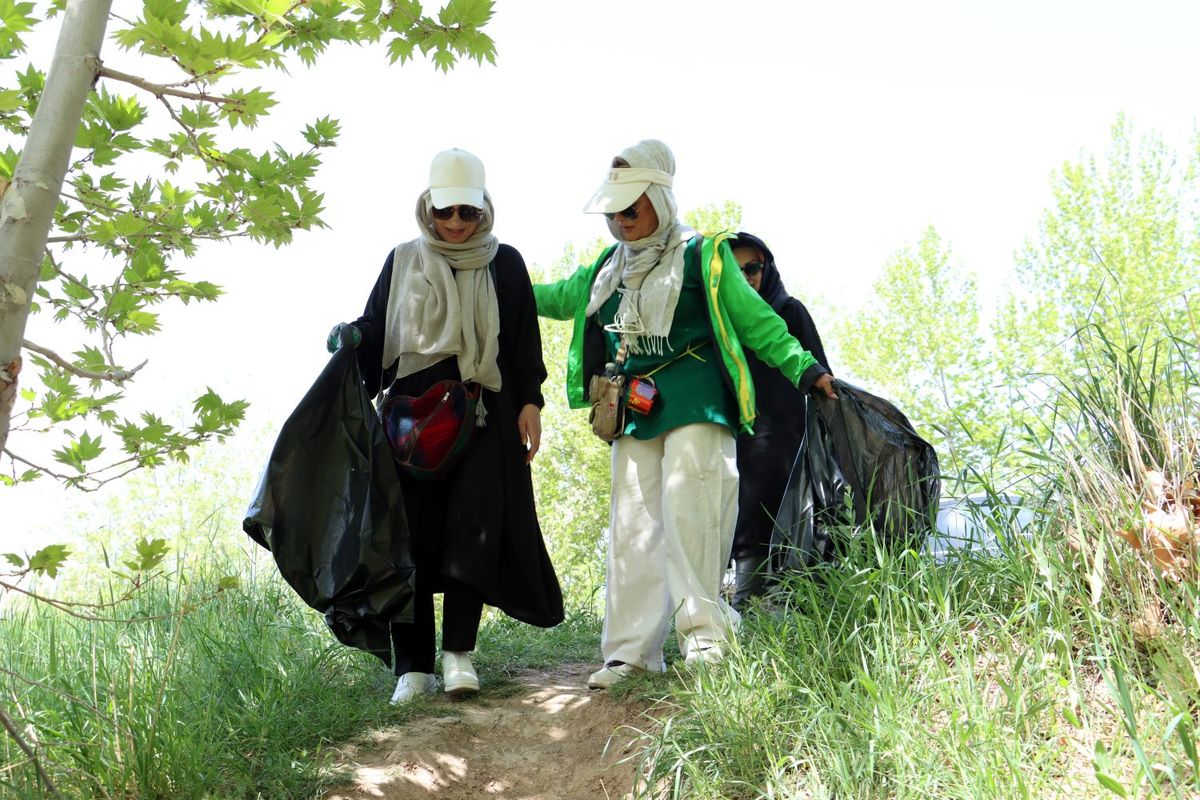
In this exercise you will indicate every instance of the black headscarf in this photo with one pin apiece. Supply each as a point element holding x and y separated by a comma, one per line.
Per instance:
<point>800,322</point>
<point>772,289</point>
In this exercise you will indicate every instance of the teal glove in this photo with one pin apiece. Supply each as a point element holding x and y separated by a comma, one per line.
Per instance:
<point>343,335</point>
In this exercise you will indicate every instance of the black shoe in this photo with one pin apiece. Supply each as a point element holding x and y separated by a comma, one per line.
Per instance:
<point>751,581</point>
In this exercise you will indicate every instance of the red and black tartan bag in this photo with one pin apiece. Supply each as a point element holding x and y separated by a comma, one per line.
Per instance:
<point>429,433</point>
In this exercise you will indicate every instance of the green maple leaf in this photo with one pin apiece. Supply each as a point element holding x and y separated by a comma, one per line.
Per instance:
<point>49,559</point>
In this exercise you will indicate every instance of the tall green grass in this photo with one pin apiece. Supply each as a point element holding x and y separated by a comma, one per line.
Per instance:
<point>1067,667</point>
<point>241,693</point>
<point>238,697</point>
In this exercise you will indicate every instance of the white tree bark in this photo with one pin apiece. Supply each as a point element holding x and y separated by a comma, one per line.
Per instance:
<point>27,207</point>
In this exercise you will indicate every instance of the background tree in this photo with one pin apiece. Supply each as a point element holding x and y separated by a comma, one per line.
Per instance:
<point>920,343</point>
<point>109,190</point>
<point>715,218</point>
<point>1120,249</point>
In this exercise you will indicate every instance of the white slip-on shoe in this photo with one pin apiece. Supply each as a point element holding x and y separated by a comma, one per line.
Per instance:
<point>410,686</point>
<point>611,673</point>
<point>458,674</point>
<point>704,656</point>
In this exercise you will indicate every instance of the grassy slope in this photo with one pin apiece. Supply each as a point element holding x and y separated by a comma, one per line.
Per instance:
<point>1067,668</point>
<point>241,697</point>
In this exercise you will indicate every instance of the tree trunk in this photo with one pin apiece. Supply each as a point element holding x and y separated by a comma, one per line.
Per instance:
<point>27,207</point>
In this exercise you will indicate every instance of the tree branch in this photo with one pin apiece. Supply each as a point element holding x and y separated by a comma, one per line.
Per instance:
<point>117,376</point>
<point>65,607</point>
<point>57,476</point>
<point>77,481</point>
<point>15,734</point>
<point>140,584</point>
<point>89,203</point>
<point>160,89</point>
<point>73,480</point>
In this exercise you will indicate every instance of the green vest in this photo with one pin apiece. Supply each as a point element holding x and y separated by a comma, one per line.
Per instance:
<point>687,373</point>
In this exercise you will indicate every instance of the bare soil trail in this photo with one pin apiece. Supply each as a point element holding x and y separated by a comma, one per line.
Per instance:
<point>546,738</point>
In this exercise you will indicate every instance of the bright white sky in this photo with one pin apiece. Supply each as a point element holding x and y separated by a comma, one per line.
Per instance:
<point>842,128</point>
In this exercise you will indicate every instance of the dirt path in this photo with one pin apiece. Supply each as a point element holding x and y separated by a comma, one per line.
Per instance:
<point>549,739</point>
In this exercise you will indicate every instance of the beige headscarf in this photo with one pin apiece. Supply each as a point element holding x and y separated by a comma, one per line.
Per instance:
<point>442,302</point>
<point>648,272</point>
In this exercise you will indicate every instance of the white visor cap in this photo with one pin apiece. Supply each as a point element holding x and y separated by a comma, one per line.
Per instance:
<point>622,187</point>
<point>456,179</point>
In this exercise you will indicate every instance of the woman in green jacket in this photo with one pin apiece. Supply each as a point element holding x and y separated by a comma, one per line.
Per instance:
<point>672,310</point>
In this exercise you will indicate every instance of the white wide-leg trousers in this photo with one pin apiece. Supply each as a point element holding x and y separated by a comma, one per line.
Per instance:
<point>674,506</point>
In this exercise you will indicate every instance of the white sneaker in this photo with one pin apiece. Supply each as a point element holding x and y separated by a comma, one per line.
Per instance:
<point>704,656</point>
<point>410,686</point>
<point>609,674</point>
<point>458,675</point>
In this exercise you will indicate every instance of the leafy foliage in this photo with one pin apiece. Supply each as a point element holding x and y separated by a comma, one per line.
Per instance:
<point>920,342</point>
<point>1120,248</point>
<point>715,218</point>
<point>1117,256</point>
<point>15,19</point>
<point>49,559</point>
<point>159,170</point>
<point>149,553</point>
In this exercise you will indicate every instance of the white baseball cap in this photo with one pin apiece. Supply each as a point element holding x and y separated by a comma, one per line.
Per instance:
<point>456,179</point>
<point>622,187</point>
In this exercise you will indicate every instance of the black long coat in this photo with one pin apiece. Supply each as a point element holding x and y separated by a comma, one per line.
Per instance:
<point>480,526</point>
<point>765,457</point>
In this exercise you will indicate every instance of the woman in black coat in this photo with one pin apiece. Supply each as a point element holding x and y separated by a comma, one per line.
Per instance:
<point>455,304</point>
<point>765,457</point>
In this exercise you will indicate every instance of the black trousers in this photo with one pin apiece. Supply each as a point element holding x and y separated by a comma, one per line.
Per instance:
<point>415,643</point>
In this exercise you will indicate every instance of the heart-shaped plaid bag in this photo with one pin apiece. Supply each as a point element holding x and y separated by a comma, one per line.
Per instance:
<point>428,433</point>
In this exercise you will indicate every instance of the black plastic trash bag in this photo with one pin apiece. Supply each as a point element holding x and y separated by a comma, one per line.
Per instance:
<point>860,461</point>
<point>330,510</point>
<point>814,500</point>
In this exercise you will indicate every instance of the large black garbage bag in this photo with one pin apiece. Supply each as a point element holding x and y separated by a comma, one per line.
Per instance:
<point>330,510</point>
<point>860,461</point>
<point>814,501</point>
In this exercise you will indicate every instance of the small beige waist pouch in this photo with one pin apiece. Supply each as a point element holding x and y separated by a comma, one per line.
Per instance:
<point>607,415</point>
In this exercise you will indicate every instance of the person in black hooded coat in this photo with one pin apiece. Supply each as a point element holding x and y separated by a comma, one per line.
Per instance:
<point>764,458</point>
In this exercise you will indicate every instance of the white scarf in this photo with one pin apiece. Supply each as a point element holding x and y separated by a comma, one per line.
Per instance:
<point>647,272</point>
<point>442,302</point>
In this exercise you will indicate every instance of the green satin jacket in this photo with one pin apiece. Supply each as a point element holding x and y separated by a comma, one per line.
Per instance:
<point>738,316</point>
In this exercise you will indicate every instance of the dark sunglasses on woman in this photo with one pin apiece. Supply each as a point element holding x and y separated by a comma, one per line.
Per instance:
<point>465,213</point>
<point>630,213</point>
<point>752,268</point>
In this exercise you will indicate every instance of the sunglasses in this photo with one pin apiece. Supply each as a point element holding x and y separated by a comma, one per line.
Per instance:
<point>630,213</point>
<point>752,268</point>
<point>465,213</point>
